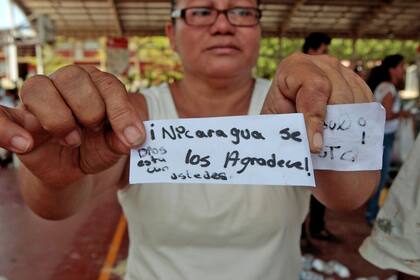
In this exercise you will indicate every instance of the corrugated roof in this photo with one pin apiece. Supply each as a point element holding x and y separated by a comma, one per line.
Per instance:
<point>346,18</point>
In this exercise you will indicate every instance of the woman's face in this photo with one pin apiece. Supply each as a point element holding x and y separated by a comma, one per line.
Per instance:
<point>219,50</point>
<point>398,73</point>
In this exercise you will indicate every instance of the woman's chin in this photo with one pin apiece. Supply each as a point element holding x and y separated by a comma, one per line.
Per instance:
<point>224,72</point>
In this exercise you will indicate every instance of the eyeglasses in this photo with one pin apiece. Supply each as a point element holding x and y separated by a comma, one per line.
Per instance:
<point>206,16</point>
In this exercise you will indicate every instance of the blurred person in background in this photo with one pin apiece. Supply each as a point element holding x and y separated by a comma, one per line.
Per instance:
<point>70,153</point>
<point>316,43</point>
<point>385,80</point>
<point>360,70</point>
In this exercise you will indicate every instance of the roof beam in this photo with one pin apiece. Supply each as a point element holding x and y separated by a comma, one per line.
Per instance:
<point>116,17</point>
<point>293,10</point>
<point>373,14</point>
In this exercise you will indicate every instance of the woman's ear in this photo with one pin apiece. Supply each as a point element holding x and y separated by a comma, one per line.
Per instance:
<point>170,33</point>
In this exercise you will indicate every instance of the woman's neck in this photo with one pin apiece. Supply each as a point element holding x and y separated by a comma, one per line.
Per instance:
<point>195,97</point>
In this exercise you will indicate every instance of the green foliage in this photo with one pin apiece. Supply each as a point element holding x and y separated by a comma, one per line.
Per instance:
<point>52,62</point>
<point>156,62</point>
<point>274,49</point>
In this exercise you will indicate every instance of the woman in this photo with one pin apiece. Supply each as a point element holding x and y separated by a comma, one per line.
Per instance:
<point>70,153</point>
<point>384,81</point>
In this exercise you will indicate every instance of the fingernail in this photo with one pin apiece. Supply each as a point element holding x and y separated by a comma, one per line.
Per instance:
<point>73,138</point>
<point>317,141</point>
<point>133,135</point>
<point>20,144</point>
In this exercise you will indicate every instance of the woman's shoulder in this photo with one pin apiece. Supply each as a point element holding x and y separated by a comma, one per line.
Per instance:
<point>386,87</point>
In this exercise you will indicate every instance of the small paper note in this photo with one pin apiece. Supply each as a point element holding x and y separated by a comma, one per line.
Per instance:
<point>265,149</point>
<point>353,138</point>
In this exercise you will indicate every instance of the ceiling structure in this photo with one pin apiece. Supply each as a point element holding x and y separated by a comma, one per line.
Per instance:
<point>398,19</point>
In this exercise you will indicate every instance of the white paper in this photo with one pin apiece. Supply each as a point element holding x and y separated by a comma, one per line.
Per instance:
<point>265,149</point>
<point>353,138</point>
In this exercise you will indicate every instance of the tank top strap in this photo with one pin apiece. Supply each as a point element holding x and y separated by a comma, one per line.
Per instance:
<point>259,93</point>
<point>160,103</point>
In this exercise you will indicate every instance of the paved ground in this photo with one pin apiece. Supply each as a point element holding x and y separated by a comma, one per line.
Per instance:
<point>79,248</point>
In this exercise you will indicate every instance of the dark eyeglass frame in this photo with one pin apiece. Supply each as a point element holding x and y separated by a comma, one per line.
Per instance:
<point>181,13</point>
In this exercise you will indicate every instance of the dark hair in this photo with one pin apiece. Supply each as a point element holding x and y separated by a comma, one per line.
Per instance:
<point>173,3</point>
<point>315,40</point>
<point>380,73</point>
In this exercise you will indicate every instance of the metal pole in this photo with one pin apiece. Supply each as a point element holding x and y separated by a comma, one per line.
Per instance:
<point>11,49</point>
<point>353,50</point>
<point>39,59</point>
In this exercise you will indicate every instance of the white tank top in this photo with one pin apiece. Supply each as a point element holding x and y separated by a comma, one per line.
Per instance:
<point>212,232</point>
<point>380,92</point>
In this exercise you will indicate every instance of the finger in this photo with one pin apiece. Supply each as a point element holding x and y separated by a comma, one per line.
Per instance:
<point>277,103</point>
<point>13,135</point>
<point>310,89</point>
<point>125,121</point>
<point>95,160</point>
<point>80,94</point>
<point>311,100</point>
<point>41,98</point>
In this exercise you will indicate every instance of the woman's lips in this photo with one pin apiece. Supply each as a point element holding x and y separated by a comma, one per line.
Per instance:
<point>223,49</point>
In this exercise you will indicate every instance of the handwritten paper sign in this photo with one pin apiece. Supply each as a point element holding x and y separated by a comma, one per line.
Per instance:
<point>353,137</point>
<point>266,149</point>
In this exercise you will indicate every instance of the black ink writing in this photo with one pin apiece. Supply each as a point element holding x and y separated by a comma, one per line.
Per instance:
<point>324,154</point>
<point>362,122</point>
<point>335,152</point>
<point>196,159</point>
<point>349,156</point>
<point>245,134</point>
<point>205,175</point>
<point>341,125</point>
<point>152,132</point>
<point>233,158</point>
<point>148,151</point>
<point>180,132</point>
<point>151,170</point>
<point>175,132</point>
<point>286,135</point>
<point>153,160</point>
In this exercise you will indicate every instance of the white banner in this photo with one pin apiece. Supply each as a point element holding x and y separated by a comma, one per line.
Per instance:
<point>264,149</point>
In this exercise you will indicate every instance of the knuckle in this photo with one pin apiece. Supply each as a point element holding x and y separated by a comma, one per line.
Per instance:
<point>298,55</point>
<point>334,61</point>
<point>59,125</point>
<point>319,84</point>
<point>92,118</point>
<point>118,114</point>
<point>34,84</point>
<point>107,82</point>
<point>69,75</point>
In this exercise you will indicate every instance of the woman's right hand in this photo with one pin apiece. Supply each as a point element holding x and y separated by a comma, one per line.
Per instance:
<point>77,121</point>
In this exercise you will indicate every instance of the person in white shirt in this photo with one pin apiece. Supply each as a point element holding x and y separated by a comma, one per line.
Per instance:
<point>79,124</point>
<point>385,80</point>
